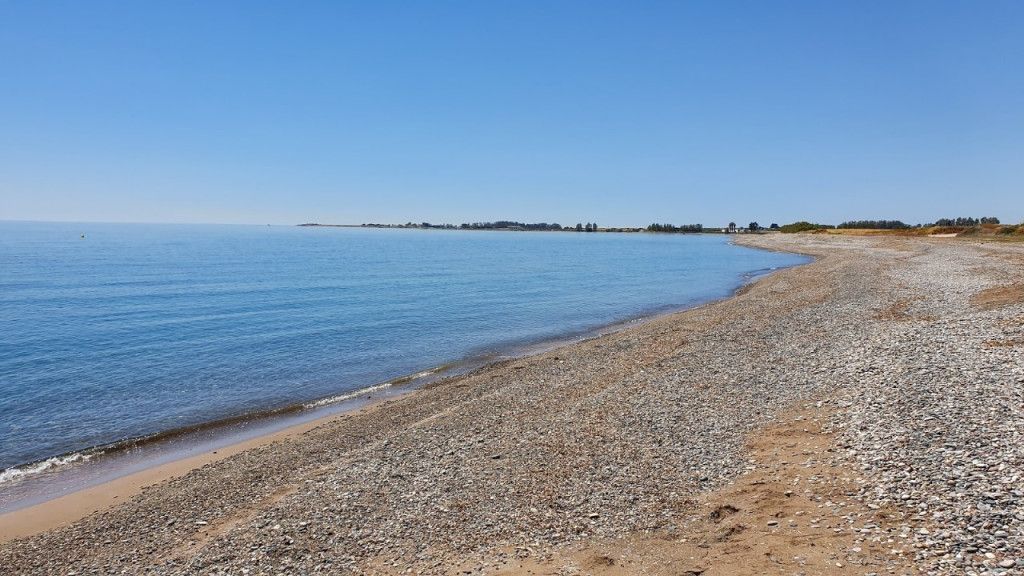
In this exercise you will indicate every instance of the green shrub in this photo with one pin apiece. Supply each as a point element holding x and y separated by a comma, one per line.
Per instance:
<point>803,226</point>
<point>875,225</point>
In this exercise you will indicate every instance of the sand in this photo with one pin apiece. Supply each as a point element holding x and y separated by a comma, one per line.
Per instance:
<point>76,505</point>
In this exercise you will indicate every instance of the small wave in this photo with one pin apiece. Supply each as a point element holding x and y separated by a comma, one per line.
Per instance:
<point>346,396</point>
<point>17,472</point>
<point>381,386</point>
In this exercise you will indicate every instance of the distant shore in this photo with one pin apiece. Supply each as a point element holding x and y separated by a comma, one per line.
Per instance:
<point>542,227</point>
<point>985,228</point>
<point>414,226</point>
<point>801,426</point>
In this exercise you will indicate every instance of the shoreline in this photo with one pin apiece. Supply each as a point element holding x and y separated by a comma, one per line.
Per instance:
<point>38,513</point>
<point>474,360</point>
<point>63,510</point>
<point>797,427</point>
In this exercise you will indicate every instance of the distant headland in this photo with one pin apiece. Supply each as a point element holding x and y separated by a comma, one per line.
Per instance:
<point>513,226</point>
<point>504,225</point>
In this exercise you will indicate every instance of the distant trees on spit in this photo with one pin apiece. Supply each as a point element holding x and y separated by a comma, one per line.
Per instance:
<point>496,225</point>
<point>874,224</point>
<point>963,225</point>
<point>684,229</point>
<point>962,222</point>
<point>803,226</point>
<point>510,225</point>
<point>966,221</point>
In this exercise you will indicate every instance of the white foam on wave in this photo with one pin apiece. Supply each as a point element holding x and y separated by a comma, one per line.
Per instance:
<point>18,472</point>
<point>361,391</point>
<point>347,396</point>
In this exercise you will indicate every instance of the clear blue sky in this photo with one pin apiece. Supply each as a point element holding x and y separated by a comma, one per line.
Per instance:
<point>618,112</point>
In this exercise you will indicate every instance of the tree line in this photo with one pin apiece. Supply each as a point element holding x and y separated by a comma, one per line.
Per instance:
<point>967,222</point>
<point>875,224</point>
<point>684,229</point>
<point>801,226</point>
<point>510,224</point>
<point>961,222</point>
<point>496,225</point>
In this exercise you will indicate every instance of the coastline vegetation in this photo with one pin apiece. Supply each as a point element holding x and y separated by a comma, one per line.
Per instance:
<point>684,229</point>
<point>508,225</point>
<point>497,225</point>
<point>966,227</point>
<point>988,226</point>
<point>803,226</point>
<point>875,225</point>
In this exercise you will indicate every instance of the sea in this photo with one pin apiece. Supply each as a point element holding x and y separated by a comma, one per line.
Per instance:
<point>112,334</point>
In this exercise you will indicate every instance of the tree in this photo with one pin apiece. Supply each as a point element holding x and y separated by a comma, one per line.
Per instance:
<point>962,222</point>
<point>803,226</point>
<point>875,224</point>
<point>579,227</point>
<point>732,226</point>
<point>685,228</point>
<point>754,226</point>
<point>774,226</point>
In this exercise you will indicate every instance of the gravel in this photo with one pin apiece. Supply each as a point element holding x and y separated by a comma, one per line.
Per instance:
<point>935,416</point>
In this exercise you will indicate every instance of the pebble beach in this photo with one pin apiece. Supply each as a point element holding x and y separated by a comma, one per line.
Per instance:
<point>862,414</point>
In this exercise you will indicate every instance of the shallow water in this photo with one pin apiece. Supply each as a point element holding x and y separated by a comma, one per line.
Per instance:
<point>138,329</point>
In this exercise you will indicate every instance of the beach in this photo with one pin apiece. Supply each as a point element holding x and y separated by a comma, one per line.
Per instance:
<point>860,414</point>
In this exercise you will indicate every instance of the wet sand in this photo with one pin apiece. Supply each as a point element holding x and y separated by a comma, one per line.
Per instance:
<point>76,505</point>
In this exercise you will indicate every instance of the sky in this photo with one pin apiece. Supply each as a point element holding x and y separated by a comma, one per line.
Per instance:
<point>623,113</point>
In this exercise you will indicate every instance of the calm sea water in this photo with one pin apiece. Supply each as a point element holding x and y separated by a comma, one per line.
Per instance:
<point>138,329</point>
